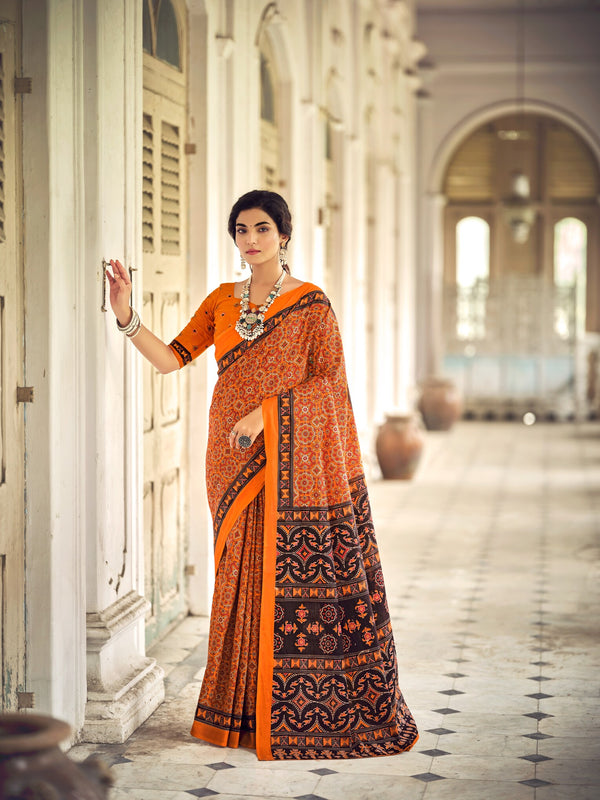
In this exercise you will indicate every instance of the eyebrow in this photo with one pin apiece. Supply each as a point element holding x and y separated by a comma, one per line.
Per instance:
<point>243,224</point>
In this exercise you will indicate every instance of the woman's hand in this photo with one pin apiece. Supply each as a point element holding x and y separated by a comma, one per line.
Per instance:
<point>250,425</point>
<point>120,292</point>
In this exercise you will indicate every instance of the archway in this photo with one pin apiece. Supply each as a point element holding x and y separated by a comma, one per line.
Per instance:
<point>519,176</point>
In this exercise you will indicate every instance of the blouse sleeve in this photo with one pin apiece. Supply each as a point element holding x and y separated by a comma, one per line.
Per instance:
<point>198,334</point>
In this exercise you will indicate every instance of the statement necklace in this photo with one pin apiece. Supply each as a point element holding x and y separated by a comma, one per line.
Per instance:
<point>251,324</point>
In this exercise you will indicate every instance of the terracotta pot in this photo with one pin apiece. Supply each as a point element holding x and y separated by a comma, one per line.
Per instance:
<point>440,404</point>
<point>33,766</point>
<point>399,445</point>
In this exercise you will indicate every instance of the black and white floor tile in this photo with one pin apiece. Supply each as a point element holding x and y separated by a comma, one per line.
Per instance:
<point>492,564</point>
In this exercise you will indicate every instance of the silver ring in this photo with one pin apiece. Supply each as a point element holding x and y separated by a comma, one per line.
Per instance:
<point>244,441</point>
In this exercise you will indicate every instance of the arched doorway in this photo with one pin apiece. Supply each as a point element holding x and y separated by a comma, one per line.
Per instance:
<point>164,290</point>
<point>512,188</point>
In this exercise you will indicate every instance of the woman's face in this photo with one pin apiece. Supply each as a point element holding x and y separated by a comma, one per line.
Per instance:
<point>257,237</point>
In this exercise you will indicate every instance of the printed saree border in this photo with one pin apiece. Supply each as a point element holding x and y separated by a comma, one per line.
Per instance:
<point>222,738</point>
<point>241,346</point>
<point>264,689</point>
<point>244,498</point>
<point>237,497</point>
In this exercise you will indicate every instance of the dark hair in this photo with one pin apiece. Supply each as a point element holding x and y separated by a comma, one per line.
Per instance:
<point>270,202</point>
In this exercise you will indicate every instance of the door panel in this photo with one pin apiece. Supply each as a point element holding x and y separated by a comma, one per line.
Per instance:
<point>12,447</point>
<point>165,398</point>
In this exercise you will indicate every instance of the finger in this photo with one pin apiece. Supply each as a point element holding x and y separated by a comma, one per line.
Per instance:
<point>121,271</point>
<point>125,275</point>
<point>116,276</point>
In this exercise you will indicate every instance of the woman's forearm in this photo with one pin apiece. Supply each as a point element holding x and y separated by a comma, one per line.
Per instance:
<point>150,346</point>
<point>156,351</point>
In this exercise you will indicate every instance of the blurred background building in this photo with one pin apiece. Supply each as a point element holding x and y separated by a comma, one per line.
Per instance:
<point>441,160</point>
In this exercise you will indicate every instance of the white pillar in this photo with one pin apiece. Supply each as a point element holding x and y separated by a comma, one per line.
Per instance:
<point>56,329</point>
<point>384,291</point>
<point>405,296</point>
<point>124,686</point>
<point>82,190</point>
<point>434,212</point>
<point>425,125</point>
<point>208,260</point>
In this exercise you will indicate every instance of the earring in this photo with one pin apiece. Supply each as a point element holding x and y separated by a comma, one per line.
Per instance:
<point>283,256</point>
<point>243,263</point>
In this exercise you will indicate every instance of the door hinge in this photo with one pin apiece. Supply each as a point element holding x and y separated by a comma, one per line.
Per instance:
<point>25,700</point>
<point>23,85</point>
<point>189,569</point>
<point>24,394</point>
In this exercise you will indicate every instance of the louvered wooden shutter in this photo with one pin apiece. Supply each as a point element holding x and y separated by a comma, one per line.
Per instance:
<point>572,172</point>
<point>471,172</point>
<point>148,185</point>
<point>170,179</point>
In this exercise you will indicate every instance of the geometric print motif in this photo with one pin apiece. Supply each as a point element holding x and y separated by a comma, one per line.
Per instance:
<point>335,683</point>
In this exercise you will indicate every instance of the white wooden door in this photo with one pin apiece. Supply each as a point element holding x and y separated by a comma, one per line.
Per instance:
<point>12,447</point>
<point>165,313</point>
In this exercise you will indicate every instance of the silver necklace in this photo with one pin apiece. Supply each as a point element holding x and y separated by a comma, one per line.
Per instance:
<point>251,324</point>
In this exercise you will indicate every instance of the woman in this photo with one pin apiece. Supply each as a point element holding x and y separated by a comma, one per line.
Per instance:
<point>301,660</point>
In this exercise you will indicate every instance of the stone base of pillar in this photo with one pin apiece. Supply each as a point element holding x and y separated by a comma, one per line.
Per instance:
<point>113,718</point>
<point>124,687</point>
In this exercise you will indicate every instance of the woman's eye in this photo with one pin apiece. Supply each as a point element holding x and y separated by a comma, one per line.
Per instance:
<point>264,229</point>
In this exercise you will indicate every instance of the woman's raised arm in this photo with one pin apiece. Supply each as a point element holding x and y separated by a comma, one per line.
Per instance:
<point>150,346</point>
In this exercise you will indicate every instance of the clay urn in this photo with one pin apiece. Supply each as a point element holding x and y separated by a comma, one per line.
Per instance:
<point>399,445</point>
<point>32,765</point>
<point>440,404</point>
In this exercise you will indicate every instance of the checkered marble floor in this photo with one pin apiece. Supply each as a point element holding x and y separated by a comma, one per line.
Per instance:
<point>492,563</point>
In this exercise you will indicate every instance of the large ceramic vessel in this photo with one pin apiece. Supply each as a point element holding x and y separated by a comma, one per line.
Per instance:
<point>440,404</point>
<point>399,445</point>
<point>33,766</point>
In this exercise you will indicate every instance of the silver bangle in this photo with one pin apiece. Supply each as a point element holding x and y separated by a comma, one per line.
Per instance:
<point>133,326</point>
<point>136,331</point>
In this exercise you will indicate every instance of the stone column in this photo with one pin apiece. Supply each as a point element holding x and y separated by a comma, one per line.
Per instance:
<point>210,48</point>
<point>82,201</point>
<point>406,311</point>
<point>124,685</point>
<point>384,291</point>
<point>435,214</point>
<point>55,329</point>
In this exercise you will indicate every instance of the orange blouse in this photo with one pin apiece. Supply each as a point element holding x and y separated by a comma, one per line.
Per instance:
<point>214,322</point>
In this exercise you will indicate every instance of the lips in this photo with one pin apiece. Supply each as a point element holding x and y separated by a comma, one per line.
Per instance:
<point>252,252</point>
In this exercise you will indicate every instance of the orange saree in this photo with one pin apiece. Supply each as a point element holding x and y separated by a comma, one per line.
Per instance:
<point>301,660</point>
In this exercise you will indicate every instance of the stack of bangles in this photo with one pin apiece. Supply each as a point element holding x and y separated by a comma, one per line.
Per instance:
<point>133,327</point>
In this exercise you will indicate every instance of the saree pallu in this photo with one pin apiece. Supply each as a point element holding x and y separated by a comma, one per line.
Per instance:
<point>301,662</point>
